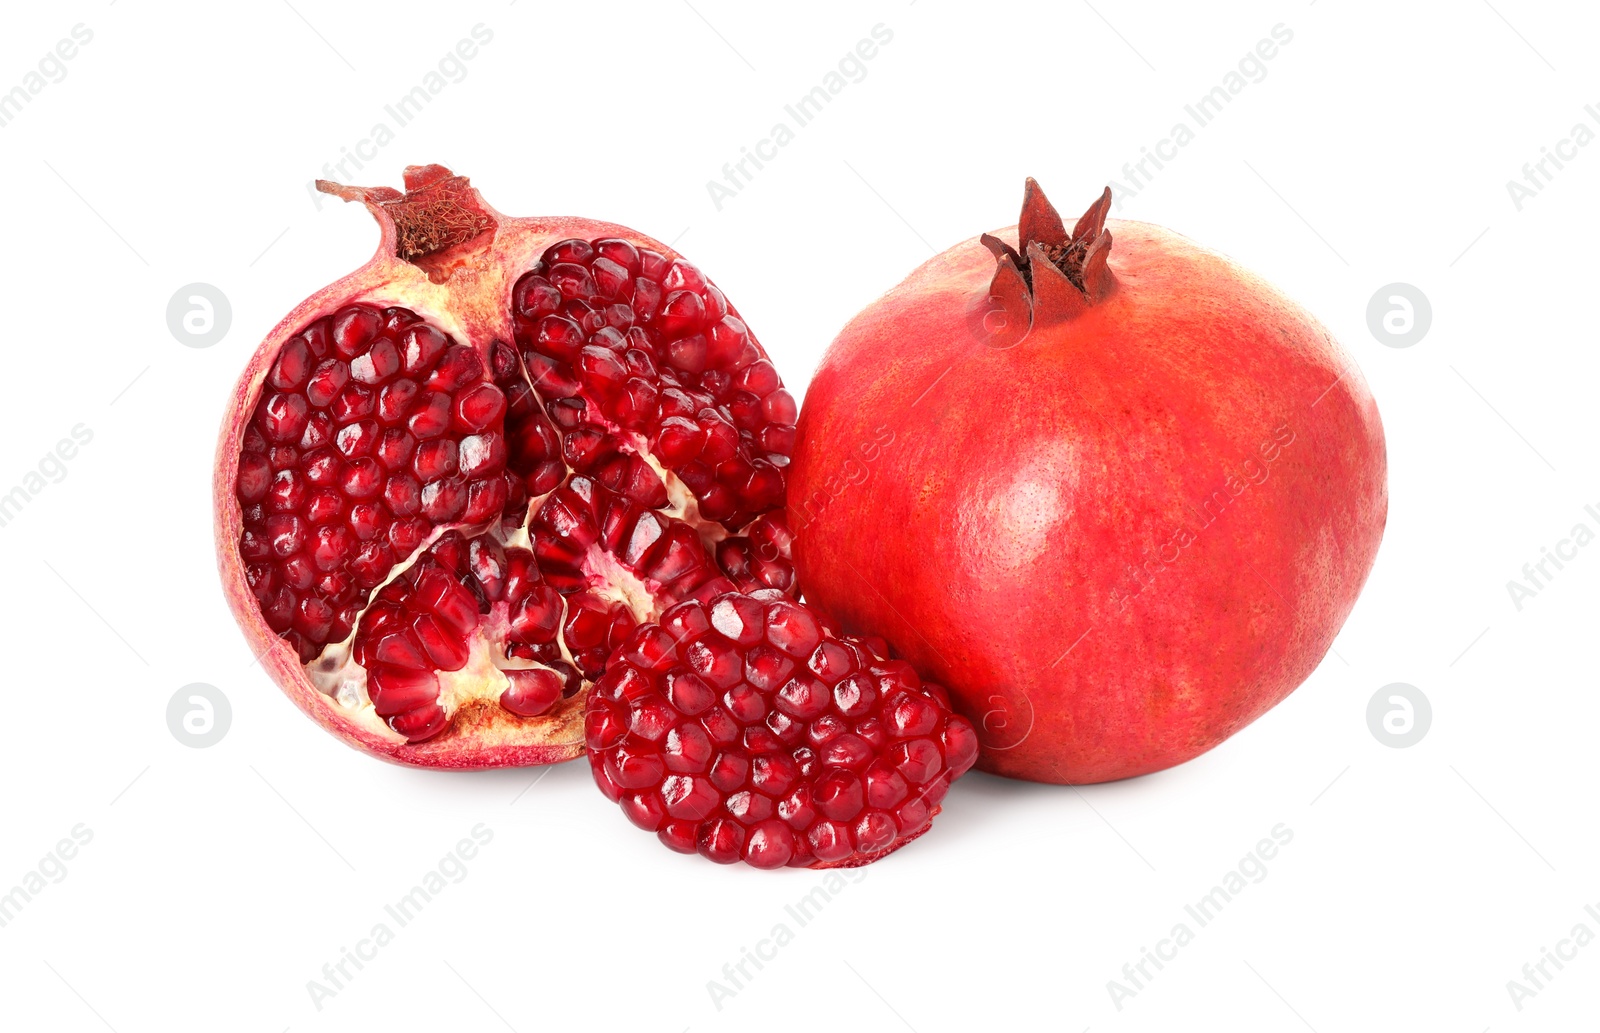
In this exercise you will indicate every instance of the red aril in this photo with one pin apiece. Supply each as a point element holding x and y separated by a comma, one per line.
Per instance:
<point>1117,497</point>
<point>449,485</point>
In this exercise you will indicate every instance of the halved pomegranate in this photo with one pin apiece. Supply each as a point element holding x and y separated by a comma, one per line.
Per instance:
<point>449,485</point>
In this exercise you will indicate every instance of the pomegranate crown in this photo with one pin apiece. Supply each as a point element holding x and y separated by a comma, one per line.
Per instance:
<point>438,220</point>
<point>1052,275</point>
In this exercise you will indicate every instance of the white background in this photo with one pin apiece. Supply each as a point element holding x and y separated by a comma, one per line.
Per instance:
<point>1376,149</point>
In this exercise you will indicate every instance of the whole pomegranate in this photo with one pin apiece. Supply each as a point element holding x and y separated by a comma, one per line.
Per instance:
<point>451,484</point>
<point>1117,497</point>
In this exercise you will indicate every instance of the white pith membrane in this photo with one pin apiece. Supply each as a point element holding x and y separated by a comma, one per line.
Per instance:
<point>482,680</point>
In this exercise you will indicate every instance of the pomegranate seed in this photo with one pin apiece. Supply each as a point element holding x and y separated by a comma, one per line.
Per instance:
<point>352,328</point>
<point>406,535</point>
<point>480,454</point>
<point>485,499</point>
<point>357,439</point>
<point>254,476</point>
<point>532,692</point>
<point>431,417</point>
<point>284,417</point>
<point>769,844</point>
<point>397,650</point>
<point>721,840</point>
<point>355,402</point>
<point>420,349</point>
<point>689,797</point>
<point>319,431</point>
<point>394,401</point>
<point>395,691</point>
<point>377,364</point>
<point>444,500</point>
<point>434,459</point>
<point>479,408</point>
<point>293,367</point>
<point>395,448</point>
<point>458,366</point>
<point>689,694</point>
<point>421,724</point>
<point>326,382</point>
<point>632,769</point>
<point>535,297</point>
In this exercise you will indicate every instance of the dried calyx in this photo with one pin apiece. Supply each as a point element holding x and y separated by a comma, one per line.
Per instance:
<point>438,213</point>
<point>1052,275</point>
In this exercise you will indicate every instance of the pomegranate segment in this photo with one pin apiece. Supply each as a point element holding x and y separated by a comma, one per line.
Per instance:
<point>622,339</point>
<point>744,728</point>
<point>354,454</point>
<point>456,481</point>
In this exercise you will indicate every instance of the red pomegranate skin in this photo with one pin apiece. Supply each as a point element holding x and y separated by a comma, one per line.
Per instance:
<point>1117,541</point>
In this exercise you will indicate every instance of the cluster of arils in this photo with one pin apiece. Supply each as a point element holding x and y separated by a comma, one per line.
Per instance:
<point>748,729</point>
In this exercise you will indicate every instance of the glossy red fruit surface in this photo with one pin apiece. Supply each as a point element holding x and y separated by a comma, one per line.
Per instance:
<point>450,485</point>
<point>1118,497</point>
<point>745,729</point>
